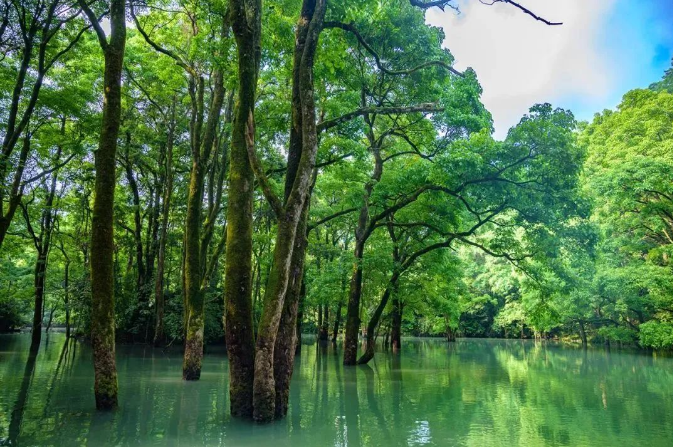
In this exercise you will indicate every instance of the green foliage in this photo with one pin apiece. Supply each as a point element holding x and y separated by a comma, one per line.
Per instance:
<point>666,83</point>
<point>656,334</point>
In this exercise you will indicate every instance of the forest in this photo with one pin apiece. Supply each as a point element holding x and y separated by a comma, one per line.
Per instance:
<point>195,174</point>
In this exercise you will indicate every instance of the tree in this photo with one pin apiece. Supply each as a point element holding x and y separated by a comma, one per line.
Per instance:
<point>42,242</point>
<point>102,228</point>
<point>246,23</point>
<point>627,173</point>
<point>207,163</point>
<point>35,37</point>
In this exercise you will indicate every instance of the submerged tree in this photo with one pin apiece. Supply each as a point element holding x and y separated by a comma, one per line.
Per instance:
<point>102,224</point>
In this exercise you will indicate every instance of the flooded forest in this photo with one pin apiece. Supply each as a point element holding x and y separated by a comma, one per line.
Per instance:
<point>244,222</point>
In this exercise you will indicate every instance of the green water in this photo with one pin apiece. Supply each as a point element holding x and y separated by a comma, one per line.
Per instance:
<point>469,393</point>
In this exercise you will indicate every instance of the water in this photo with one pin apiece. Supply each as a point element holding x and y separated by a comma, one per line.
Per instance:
<point>469,393</point>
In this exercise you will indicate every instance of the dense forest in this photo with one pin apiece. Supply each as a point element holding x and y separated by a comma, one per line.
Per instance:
<point>203,172</point>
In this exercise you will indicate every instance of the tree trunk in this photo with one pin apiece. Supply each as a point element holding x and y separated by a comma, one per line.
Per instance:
<point>450,334</point>
<point>300,314</point>
<point>159,299</point>
<point>288,219</point>
<point>324,327</point>
<point>287,338</point>
<point>353,310</point>
<point>264,398</point>
<point>194,299</point>
<point>141,294</point>
<point>396,325</point>
<point>16,192</point>
<point>194,249</point>
<point>362,232</point>
<point>40,272</point>
<point>238,326</point>
<point>375,319</point>
<point>337,322</point>
<point>42,242</point>
<point>583,334</point>
<point>102,240</point>
<point>66,298</point>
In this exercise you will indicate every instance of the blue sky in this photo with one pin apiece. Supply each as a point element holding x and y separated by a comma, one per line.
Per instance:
<point>603,49</point>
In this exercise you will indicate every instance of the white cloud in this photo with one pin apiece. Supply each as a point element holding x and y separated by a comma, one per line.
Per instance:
<point>520,61</point>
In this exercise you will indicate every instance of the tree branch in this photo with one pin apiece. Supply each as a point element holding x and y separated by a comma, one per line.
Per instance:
<point>330,217</point>
<point>391,110</point>
<point>178,60</point>
<point>524,9</point>
<point>351,28</point>
<point>270,195</point>
<point>49,171</point>
<point>95,24</point>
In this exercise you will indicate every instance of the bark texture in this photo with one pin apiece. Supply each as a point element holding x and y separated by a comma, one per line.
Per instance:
<point>362,233</point>
<point>289,215</point>
<point>287,338</point>
<point>194,249</point>
<point>246,25</point>
<point>102,241</point>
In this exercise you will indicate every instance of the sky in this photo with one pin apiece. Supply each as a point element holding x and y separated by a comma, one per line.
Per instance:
<point>603,49</point>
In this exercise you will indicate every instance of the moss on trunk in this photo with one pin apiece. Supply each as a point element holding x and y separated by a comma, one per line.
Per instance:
<point>194,304</point>
<point>264,390</point>
<point>102,240</point>
<point>287,338</point>
<point>247,26</point>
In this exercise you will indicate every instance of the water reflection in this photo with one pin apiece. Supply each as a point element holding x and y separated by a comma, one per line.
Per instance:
<point>469,393</point>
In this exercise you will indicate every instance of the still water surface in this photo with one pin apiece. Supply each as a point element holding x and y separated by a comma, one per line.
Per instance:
<point>469,393</point>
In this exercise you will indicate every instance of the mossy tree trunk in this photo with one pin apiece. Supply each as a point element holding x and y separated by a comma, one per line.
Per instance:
<point>193,300</point>
<point>247,27</point>
<point>362,232</point>
<point>264,388</point>
<point>196,267</point>
<point>289,216</point>
<point>194,271</point>
<point>287,338</point>
<point>102,240</point>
